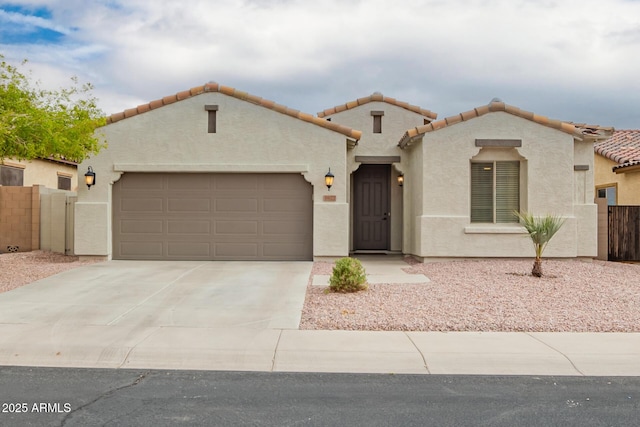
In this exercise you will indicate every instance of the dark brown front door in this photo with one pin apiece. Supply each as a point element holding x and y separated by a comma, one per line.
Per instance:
<point>371,207</point>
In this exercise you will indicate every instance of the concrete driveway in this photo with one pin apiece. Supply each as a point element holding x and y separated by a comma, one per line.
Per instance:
<point>255,295</point>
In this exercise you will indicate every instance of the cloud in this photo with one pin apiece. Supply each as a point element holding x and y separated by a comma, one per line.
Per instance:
<point>447,56</point>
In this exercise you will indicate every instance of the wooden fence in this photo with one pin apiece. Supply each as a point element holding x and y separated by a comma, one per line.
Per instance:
<point>624,233</point>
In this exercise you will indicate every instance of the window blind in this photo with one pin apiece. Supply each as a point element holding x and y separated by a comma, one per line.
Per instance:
<point>481,192</point>
<point>507,191</point>
<point>495,191</point>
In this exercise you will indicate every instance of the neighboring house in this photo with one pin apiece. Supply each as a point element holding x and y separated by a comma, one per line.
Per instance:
<point>617,168</point>
<point>215,173</point>
<point>51,173</point>
<point>29,218</point>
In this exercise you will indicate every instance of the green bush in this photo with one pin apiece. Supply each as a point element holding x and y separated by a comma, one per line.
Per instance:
<point>348,276</point>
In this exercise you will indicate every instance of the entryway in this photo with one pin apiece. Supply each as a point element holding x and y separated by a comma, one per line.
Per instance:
<point>371,207</point>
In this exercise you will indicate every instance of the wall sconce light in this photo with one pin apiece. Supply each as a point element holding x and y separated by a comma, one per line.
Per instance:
<point>90,178</point>
<point>328,179</point>
<point>400,180</point>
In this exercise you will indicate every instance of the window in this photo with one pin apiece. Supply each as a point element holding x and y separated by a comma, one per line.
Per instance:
<point>211,124</point>
<point>377,124</point>
<point>11,176</point>
<point>64,182</point>
<point>608,193</point>
<point>377,121</point>
<point>495,191</point>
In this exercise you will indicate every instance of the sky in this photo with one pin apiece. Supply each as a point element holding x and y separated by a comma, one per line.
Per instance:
<point>572,60</point>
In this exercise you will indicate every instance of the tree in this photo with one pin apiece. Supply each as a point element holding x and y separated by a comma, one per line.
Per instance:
<point>541,230</point>
<point>42,123</point>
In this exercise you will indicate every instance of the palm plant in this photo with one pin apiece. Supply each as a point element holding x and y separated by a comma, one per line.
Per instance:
<point>541,230</point>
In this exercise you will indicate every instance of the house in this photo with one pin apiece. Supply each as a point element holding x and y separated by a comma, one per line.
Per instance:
<point>214,173</point>
<point>617,168</point>
<point>32,209</point>
<point>52,173</point>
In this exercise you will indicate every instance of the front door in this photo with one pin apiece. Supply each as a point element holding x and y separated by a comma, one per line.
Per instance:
<point>371,207</point>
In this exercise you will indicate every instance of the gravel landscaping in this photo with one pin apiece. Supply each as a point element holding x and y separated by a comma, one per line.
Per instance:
<point>20,268</point>
<point>487,295</point>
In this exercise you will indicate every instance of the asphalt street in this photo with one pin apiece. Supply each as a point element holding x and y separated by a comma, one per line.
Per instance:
<point>110,397</point>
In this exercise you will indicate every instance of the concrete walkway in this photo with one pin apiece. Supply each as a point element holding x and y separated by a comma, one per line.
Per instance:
<point>380,269</point>
<point>125,315</point>
<point>287,350</point>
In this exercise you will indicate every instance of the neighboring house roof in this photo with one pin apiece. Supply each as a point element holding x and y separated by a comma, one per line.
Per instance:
<point>61,160</point>
<point>215,87</point>
<point>377,97</point>
<point>623,148</point>
<point>579,131</point>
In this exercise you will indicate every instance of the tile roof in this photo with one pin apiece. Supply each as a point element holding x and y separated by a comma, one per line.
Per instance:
<point>377,96</point>
<point>215,87</point>
<point>623,148</point>
<point>578,131</point>
<point>61,159</point>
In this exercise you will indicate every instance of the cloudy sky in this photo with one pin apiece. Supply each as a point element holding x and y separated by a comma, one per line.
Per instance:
<point>574,60</point>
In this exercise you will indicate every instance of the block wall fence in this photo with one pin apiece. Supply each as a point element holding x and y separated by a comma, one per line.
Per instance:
<point>19,219</point>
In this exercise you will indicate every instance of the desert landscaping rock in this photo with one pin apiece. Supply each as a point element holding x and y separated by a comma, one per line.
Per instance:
<point>21,268</point>
<point>487,295</point>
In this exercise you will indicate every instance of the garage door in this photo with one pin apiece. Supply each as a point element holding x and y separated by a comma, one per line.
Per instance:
<point>171,216</point>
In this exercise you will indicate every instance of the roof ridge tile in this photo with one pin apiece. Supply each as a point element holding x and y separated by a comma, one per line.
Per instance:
<point>377,97</point>
<point>581,131</point>
<point>197,90</point>
<point>244,96</point>
<point>183,95</point>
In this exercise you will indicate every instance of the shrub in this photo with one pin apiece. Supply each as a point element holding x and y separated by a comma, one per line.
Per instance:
<point>348,276</point>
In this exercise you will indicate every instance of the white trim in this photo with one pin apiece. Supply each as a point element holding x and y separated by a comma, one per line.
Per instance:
<point>172,167</point>
<point>495,229</point>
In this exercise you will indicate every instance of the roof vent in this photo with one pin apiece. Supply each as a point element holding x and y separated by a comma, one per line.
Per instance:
<point>496,100</point>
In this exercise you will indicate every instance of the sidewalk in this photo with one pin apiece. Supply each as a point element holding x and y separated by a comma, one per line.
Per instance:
<point>285,350</point>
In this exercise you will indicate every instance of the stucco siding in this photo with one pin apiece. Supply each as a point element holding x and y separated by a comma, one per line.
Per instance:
<point>587,230</point>
<point>628,184</point>
<point>585,209</point>
<point>92,232</point>
<point>547,186</point>
<point>330,229</point>
<point>44,172</point>
<point>413,197</point>
<point>395,122</point>
<point>249,138</point>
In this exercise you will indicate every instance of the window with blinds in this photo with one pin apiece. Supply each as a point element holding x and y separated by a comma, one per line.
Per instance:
<point>495,191</point>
